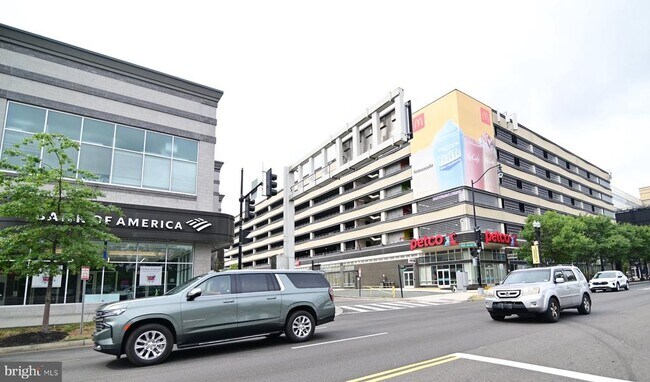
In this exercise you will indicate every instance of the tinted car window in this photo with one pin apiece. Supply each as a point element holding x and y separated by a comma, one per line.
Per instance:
<point>308,280</point>
<point>258,282</point>
<point>216,285</point>
<point>569,275</point>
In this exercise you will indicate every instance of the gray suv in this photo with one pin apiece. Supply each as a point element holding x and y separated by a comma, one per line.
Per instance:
<point>212,308</point>
<point>541,292</point>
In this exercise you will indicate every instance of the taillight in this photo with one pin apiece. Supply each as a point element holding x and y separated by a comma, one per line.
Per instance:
<point>331,291</point>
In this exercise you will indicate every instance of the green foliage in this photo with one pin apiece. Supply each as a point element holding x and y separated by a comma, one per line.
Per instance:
<point>587,238</point>
<point>52,211</point>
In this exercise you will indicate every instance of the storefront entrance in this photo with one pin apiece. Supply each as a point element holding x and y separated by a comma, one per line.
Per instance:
<point>444,279</point>
<point>409,280</point>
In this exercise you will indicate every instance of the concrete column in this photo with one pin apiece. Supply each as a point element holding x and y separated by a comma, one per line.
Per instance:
<point>355,142</point>
<point>338,151</point>
<point>375,129</point>
<point>287,259</point>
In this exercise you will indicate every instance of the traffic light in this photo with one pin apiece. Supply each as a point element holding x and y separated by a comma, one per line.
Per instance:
<point>270,183</point>
<point>249,208</point>
<point>244,236</point>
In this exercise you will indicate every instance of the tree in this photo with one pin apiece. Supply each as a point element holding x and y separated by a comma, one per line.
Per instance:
<point>560,241</point>
<point>56,210</point>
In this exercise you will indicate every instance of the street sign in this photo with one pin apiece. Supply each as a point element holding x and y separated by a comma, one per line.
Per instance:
<point>411,260</point>
<point>85,273</point>
<point>468,245</point>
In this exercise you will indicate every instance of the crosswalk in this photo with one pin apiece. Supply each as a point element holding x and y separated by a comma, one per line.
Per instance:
<point>385,306</point>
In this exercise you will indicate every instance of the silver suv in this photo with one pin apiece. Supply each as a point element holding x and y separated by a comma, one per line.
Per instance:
<point>541,292</point>
<point>212,308</point>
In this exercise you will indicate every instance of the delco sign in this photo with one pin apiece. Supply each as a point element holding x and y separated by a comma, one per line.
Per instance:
<point>434,240</point>
<point>501,238</point>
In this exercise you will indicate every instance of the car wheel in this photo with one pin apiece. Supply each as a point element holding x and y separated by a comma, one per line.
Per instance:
<point>300,326</point>
<point>618,287</point>
<point>149,345</point>
<point>552,313</point>
<point>585,306</point>
<point>497,317</point>
<point>627,285</point>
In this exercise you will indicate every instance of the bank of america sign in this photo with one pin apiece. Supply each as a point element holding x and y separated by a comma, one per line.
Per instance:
<point>198,224</point>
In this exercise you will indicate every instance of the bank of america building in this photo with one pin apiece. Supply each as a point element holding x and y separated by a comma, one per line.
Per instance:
<point>389,196</point>
<point>148,136</point>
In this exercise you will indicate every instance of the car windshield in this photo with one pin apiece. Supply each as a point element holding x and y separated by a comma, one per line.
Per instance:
<point>182,286</point>
<point>535,276</point>
<point>605,275</point>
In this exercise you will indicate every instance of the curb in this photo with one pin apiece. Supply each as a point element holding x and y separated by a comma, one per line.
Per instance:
<point>46,346</point>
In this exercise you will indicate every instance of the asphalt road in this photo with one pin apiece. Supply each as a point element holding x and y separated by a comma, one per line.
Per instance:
<point>455,342</point>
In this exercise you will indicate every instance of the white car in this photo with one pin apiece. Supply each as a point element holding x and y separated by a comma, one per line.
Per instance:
<point>609,280</point>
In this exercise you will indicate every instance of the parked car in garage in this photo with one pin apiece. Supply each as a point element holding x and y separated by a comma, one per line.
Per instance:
<point>609,280</point>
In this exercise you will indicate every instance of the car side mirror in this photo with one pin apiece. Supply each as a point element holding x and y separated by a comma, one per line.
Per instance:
<point>559,280</point>
<point>194,293</point>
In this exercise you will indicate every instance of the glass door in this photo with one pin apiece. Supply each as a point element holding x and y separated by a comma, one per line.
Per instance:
<point>443,278</point>
<point>408,279</point>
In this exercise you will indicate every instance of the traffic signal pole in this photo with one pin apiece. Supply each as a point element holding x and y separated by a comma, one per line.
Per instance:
<point>243,198</point>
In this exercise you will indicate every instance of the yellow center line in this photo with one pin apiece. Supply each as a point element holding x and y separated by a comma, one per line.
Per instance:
<point>406,369</point>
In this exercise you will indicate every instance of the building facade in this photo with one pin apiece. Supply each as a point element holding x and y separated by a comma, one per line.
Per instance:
<point>396,198</point>
<point>148,136</point>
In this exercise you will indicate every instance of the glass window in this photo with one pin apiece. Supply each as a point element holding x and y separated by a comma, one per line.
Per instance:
<point>156,172</point>
<point>96,160</point>
<point>129,138</point>
<point>185,149</point>
<point>98,132</point>
<point>254,283</point>
<point>124,251</point>
<point>184,177</point>
<point>12,138</point>
<point>159,144</point>
<point>51,161</point>
<point>66,124</point>
<point>216,285</point>
<point>25,118</point>
<point>179,253</point>
<point>127,168</point>
<point>152,252</point>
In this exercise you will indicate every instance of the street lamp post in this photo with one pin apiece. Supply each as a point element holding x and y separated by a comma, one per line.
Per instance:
<point>477,231</point>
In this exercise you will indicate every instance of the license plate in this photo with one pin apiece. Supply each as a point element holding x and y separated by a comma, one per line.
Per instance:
<point>503,305</point>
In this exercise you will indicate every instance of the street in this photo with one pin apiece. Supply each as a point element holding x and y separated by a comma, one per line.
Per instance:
<point>448,342</point>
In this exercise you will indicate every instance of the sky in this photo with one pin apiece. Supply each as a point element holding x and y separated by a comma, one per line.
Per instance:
<point>295,72</point>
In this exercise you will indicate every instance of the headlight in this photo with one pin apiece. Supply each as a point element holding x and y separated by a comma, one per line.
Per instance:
<point>111,313</point>
<point>530,291</point>
<point>489,292</point>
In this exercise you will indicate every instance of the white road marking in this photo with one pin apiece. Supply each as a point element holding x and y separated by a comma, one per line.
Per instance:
<point>370,307</point>
<point>380,307</point>
<point>342,340</point>
<point>386,306</point>
<point>406,304</point>
<point>645,288</point>
<point>354,308</point>
<point>538,368</point>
